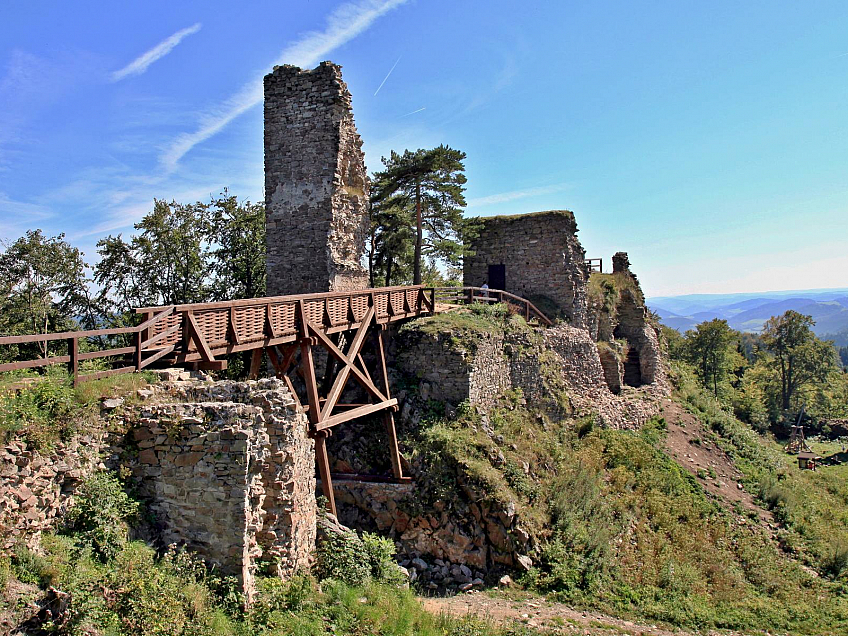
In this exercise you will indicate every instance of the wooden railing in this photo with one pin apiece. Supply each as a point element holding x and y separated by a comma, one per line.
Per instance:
<point>595,264</point>
<point>204,333</point>
<point>201,332</point>
<point>74,356</point>
<point>468,295</point>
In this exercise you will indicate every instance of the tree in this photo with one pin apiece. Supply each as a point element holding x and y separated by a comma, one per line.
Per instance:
<point>167,263</point>
<point>430,185</point>
<point>391,244</point>
<point>801,359</point>
<point>44,287</point>
<point>238,253</point>
<point>712,348</point>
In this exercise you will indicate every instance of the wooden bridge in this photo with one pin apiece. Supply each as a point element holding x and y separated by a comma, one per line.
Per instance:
<point>289,330</point>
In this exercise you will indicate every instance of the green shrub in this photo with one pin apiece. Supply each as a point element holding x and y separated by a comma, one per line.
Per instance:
<point>29,567</point>
<point>355,559</point>
<point>40,411</point>
<point>835,561</point>
<point>100,514</point>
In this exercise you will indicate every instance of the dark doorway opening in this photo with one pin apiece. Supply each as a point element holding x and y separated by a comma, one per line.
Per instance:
<point>497,277</point>
<point>632,368</point>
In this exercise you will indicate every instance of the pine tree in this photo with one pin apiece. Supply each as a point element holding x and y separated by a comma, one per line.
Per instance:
<point>426,187</point>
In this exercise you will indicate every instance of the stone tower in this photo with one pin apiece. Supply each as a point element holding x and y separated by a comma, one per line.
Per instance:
<point>316,187</point>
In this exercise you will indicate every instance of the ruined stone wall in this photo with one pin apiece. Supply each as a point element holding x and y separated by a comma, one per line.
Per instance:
<point>544,261</point>
<point>479,374</point>
<point>36,488</point>
<point>316,186</point>
<point>228,470</point>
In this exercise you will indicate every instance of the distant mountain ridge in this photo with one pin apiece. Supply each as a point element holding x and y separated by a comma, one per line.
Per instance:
<point>748,312</point>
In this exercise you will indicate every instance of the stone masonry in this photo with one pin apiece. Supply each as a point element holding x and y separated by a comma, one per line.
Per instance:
<point>36,488</point>
<point>316,186</point>
<point>228,470</point>
<point>542,259</point>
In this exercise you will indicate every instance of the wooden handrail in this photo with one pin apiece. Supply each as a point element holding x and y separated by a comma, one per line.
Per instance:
<point>494,295</point>
<point>276,299</point>
<point>198,343</point>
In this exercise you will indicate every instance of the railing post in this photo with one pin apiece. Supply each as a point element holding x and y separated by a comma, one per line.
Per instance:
<point>138,342</point>
<point>73,362</point>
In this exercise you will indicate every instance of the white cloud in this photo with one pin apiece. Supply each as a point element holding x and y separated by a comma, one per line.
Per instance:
<point>514,195</point>
<point>140,64</point>
<point>343,24</point>
<point>18,216</point>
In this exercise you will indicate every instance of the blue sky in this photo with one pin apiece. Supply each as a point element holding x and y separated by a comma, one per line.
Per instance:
<point>709,140</point>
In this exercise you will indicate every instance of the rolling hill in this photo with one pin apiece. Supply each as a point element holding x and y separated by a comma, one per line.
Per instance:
<point>748,312</point>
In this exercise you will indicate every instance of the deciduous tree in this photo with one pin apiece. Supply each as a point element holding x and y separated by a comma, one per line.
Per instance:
<point>44,287</point>
<point>712,348</point>
<point>801,359</point>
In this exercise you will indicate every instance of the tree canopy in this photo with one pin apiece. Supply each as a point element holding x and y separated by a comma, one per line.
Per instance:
<point>712,348</point>
<point>417,203</point>
<point>43,287</point>
<point>800,357</point>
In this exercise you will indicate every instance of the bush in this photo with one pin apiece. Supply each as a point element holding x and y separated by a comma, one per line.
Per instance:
<point>354,559</point>
<point>40,411</point>
<point>100,514</point>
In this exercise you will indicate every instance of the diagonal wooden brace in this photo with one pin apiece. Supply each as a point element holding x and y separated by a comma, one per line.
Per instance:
<point>348,360</point>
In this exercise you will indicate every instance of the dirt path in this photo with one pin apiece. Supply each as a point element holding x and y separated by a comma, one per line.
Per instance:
<point>690,447</point>
<point>539,613</point>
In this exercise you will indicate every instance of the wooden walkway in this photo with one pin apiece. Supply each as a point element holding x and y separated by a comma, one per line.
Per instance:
<point>288,330</point>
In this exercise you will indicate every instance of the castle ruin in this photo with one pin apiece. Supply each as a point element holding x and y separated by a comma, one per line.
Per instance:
<point>316,187</point>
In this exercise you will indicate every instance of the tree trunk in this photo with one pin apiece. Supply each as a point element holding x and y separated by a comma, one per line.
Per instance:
<point>416,272</point>
<point>371,260</point>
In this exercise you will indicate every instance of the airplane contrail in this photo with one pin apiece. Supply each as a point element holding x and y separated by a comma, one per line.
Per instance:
<point>415,111</point>
<point>386,77</point>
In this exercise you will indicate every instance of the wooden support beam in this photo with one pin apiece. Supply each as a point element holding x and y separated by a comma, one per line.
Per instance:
<point>308,368</point>
<point>73,362</point>
<point>232,332</point>
<point>394,451</point>
<point>359,375</point>
<point>341,379</point>
<point>212,365</point>
<point>255,363</point>
<point>324,469</point>
<point>275,361</point>
<point>195,334</point>
<point>381,354</point>
<point>156,356</point>
<point>361,411</point>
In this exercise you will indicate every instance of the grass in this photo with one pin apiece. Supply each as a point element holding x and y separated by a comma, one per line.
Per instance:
<point>140,594</point>
<point>626,530</point>
<point>48,408</point>
<point>464,328</point>
<point>604,290</point>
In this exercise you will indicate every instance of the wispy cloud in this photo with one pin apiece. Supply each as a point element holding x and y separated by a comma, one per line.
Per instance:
<point>386,77</point>
<point>343,24</point>
<point>16,216</point>
<point>514,195</point>
<point>140,64</point>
